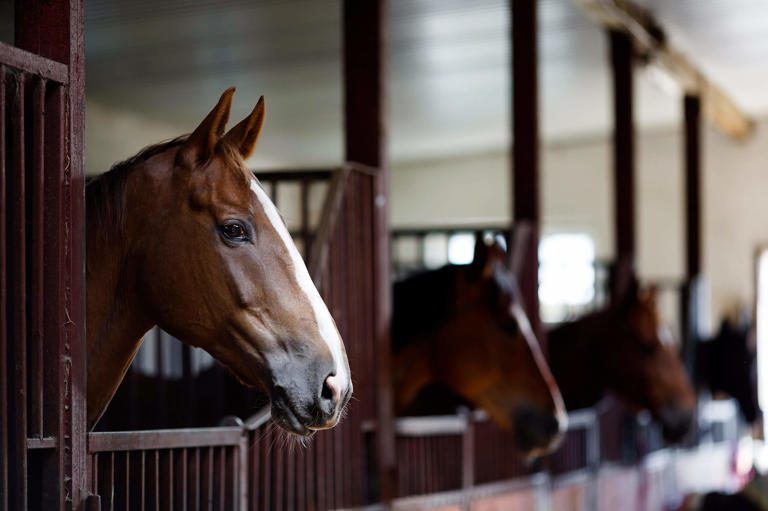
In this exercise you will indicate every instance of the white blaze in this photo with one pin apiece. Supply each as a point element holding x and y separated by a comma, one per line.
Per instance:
<point>325,323</point>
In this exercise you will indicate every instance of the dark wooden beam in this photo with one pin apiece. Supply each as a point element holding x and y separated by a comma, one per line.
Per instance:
<point>622,55</point>
<point>690,293</point>
<point>526,192</point>
<point>692,115</point>
<point>364,25</point>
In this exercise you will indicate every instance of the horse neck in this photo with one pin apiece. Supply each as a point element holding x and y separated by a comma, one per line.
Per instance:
<point>576,360</point>
<point>115,319</point>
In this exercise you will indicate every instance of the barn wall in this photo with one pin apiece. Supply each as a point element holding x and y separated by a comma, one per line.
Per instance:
<point>576,183</point>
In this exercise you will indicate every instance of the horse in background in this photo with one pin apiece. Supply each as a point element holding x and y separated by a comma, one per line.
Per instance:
<point>624,349</point>
<point>463,327</point>
<point>726,364</point>
<point>183,236</point>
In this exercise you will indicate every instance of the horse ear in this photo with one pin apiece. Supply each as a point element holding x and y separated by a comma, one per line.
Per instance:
<point>245,135</point>
<point>481,250</point>
<point>201,143</point>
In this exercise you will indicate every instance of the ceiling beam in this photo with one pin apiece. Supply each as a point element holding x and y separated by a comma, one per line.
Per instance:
<point>653,47</point>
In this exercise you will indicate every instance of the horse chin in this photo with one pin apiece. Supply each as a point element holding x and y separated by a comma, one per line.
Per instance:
<point>287,420</point>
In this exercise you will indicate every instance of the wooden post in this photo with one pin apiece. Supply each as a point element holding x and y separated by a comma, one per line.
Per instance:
<point>364,95</point>
<point>526,191</point>
<point>691,288</point>
<point>621,51</point>
<point>54,29</point>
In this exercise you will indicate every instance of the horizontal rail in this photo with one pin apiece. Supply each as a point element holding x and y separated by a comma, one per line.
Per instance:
<point>163,439</point>
<point>431,426</point>
<point>295,174</point>
<point>41,443</point>
<point>398,232</point>
<point>34,64</point>
<point>436,425</point>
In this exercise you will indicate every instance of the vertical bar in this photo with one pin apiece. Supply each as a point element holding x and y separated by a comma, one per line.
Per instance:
<point>692,114</point>
<point>468,453</point>
<point>17,326</point>
<point>526,189</point>
<point>621,50</point>
<point>305,238</point>
<point>143,479</point>
<point>689,302</point>
<point>364,29</point>
<point>4,404</point>
<point>37,238</point>
<point>240,471</point>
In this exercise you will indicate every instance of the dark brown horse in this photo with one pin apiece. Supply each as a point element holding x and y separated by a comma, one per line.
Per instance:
<point>624,349</point>
<point>463,327</point>
<point>183,236</point>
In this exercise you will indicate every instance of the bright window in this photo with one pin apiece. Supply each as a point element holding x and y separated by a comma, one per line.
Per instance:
<point>566,275</point>
<point>762,331</point>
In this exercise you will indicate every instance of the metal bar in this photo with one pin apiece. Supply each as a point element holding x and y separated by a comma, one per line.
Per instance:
<point>692,115</point>
<point>320,174</point>
<point>689,303</point>
<point>37,263</point>
<point>622,54</point>
<point>468,455</point>
<point>162,439</point>
<point>17,326</point>
<point>526,190</point>
<point>304,202</point>
<point>4,404</point>
<point>240,471</point>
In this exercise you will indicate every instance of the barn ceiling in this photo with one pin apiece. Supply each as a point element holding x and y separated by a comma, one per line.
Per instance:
<point>449,85</point>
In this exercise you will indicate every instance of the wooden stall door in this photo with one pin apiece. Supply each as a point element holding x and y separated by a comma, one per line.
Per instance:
<point>42,402</point>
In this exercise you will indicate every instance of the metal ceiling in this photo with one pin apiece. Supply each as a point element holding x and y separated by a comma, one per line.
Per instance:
<point>449,85</point>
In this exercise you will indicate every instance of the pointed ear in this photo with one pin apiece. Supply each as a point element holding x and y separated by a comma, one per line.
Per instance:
<point>246,133</point>
<point>486,255</point>
<point>201,143</point>
<point>481,251</point>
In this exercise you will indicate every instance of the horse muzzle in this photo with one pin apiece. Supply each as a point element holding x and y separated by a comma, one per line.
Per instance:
<point>675,422</point>
<point>309,399</point>
<point>535,431</point>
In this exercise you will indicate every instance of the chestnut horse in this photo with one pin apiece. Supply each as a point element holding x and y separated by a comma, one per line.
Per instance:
<point>463,327</point>
<point>624,349</point>
<point>183,236</point>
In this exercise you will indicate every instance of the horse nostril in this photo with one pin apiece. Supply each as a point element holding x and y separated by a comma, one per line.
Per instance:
<point>327,392</point>
<point>330,391</point>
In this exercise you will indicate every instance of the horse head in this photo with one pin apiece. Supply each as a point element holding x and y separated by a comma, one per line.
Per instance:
<point>214,265</point>
<point>641,364</point>
<point>483,349</point>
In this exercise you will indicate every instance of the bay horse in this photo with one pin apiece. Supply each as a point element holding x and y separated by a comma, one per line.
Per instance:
<point>463,327</point>
<point>183,236</point>
<point>624,349</point>
<point>726,364</point>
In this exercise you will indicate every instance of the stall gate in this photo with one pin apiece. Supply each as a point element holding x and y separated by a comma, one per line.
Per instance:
<point>41,360</point>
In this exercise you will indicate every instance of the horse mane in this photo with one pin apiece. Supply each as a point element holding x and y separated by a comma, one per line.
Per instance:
<point>105,195</point>
<point>422,302</point>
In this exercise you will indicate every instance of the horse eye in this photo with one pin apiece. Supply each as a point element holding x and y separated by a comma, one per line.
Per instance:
<point>234,231</point>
